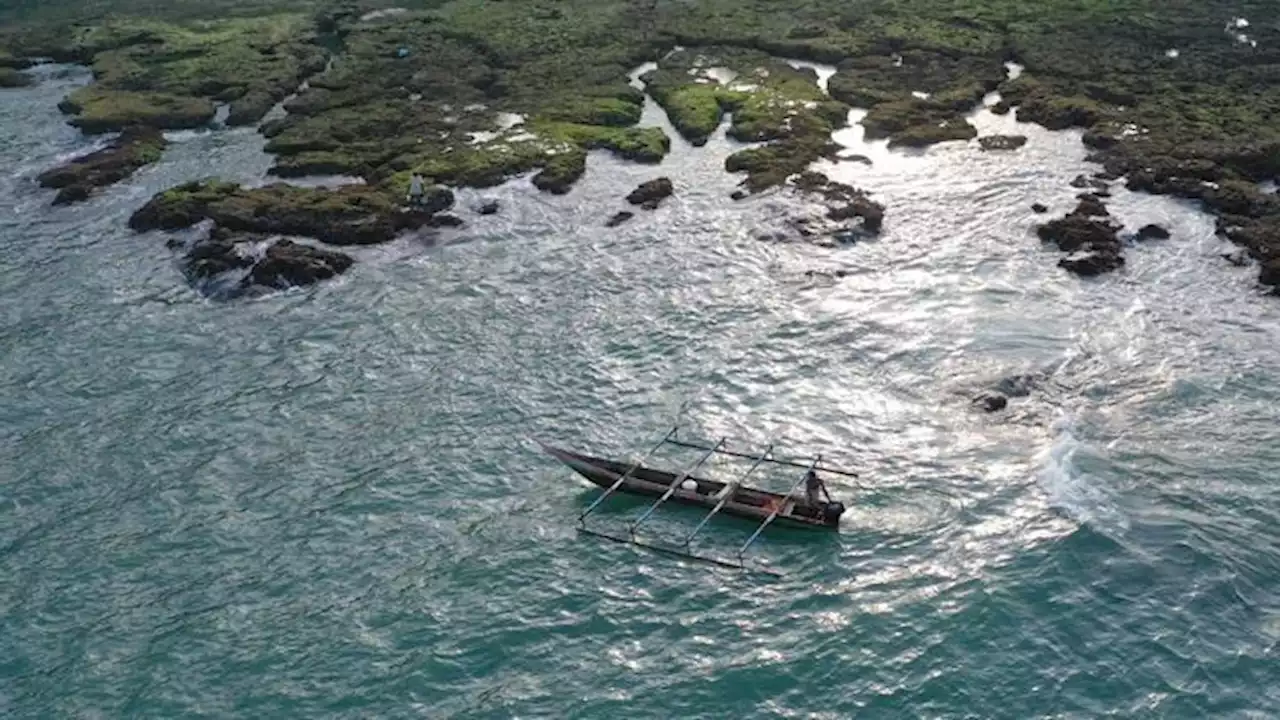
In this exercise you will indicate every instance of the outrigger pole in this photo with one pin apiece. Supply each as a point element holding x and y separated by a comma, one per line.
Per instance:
<point>582,519</point>
<point>675,484</point>
<point>811,466</point>
<point>678,552</point>
<point>777,509</point>
<point>728,492</point>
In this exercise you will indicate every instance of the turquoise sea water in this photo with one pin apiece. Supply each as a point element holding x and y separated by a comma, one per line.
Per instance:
<point>327,503</point>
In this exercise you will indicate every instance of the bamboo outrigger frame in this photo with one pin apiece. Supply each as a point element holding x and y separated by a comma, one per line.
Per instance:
<point>684,547</point>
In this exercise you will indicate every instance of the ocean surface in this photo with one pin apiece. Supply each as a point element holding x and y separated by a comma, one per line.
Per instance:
<point>329,502</point>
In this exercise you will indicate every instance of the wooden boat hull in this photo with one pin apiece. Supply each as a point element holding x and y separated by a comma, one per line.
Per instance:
<point>749,503</point>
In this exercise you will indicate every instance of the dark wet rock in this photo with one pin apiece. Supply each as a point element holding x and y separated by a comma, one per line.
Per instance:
<point>739,195</point>
<point>273,128</point>
<point>13,78</point>
<point>1091,204</point>
<point>1239,258</point>
<point>1019,385</point>
<point>1269,273</point>
<point>218,255</point>
<point>1080,230</point>
<point>270,265</point>
<point>1259,239</point>
<point>1152,232</point>
<point>349,215</point>
<point>382,110</point>
<point>991,402</point>
<point>1099,139</point>
<point>1089,235</point>
<point>488,207</point>
<point>619,218</point>
<point>1002,142</point>
<point>133,149</point>
<point>443,220</point>
<point>1094,184</point>
<point>649,194</point>
<point>1095,200</point>
<point>844,202</point>
<point>72,194</point>
<point>14,63</point>
<point>252,107</point>
<point>1039,208</point>
<point>290,264</point>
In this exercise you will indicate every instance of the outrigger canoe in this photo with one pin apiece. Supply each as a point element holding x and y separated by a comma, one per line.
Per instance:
<point>686,488</point>
<point>731,498</point>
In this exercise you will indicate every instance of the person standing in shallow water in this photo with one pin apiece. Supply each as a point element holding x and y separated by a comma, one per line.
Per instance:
<point>415,190</point>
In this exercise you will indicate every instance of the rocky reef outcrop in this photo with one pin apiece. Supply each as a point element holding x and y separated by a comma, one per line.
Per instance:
<point>1002,142</point>
<point>228,264</point>
<point>1090,238</point>
<point>351,215</point>
<point>77,180</point>
<point>650,194</point>
<point>770,102</point>
<point>14,78</point>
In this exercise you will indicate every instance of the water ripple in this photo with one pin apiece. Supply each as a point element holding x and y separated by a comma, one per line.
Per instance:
<point>325,502</point>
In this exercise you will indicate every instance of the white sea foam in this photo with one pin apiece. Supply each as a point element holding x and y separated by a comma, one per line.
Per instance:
<point>1070,488</point>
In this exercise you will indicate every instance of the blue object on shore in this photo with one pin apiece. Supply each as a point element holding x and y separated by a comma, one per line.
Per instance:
<point>402,52</point>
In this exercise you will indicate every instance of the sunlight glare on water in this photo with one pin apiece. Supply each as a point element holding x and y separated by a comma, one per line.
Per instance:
<point>326,501</point>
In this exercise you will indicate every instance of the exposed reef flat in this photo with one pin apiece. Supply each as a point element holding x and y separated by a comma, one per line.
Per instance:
<point>472,93</point>
<point>351,215</point>
<point>770,101</point>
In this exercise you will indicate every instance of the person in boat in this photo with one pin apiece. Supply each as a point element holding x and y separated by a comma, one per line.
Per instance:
<point>813,487</point>
<point>415,190</point>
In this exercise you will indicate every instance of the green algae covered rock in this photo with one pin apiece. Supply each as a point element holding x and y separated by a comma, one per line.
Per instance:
<point>561,172</point>
<point>1165,96</point>
<point>352,215</point>
<point>924,135</point>
<point>694,108</point>
<point>99,111</point>
<point>8,60</point>
<point>169,74</point>
<point>771,102</point>
<point>133,149</point>
<point>11,78</point>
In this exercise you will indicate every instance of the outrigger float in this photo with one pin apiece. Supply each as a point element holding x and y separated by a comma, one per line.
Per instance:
<point>730,498</point>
